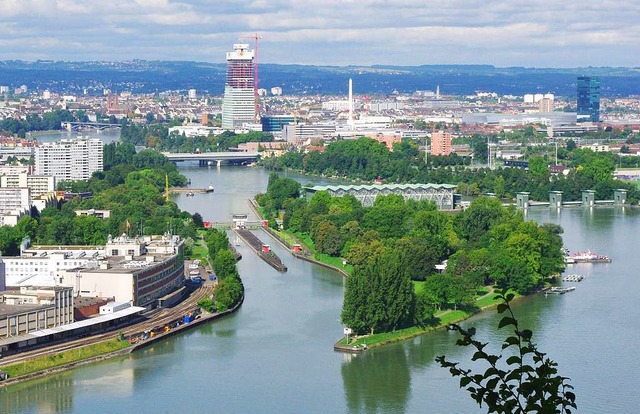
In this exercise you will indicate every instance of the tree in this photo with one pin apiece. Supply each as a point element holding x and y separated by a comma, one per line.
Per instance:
<point>328,239</point>
<point>225,264</point>
<point>197,220</point>
<point>378,296</point>
<point>521,379</point>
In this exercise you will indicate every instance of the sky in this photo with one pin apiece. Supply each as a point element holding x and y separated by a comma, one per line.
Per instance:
<point>532,33</point>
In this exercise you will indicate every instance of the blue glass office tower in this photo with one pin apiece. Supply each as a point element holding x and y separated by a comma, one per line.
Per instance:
<point>588,99</point>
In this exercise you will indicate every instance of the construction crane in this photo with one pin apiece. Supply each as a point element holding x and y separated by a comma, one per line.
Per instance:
<point>256,80</point>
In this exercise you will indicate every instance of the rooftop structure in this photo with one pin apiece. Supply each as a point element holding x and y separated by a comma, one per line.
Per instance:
<point>441,194</point>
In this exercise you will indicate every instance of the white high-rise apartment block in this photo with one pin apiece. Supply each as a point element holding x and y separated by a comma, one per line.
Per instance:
<point>276,91</point>
<point>14,203</point>
<point>239,105</point>
<point>38,184</point>
<point>192,94</point>
<point>70,159</point>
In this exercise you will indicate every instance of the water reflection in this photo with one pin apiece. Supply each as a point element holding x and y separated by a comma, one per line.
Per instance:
<point>46,395</point>
<point>376,382</point>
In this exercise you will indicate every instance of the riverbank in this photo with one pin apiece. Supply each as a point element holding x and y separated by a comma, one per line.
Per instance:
<point>444,319</point>
<point>58,362</point>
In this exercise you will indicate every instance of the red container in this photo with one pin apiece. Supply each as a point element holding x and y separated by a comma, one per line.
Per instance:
<point>266,248</point>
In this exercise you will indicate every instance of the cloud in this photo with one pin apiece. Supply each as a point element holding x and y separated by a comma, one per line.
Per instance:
<point>528,33</point>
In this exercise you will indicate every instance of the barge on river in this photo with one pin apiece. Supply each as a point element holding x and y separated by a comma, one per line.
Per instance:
<point>263,250</point>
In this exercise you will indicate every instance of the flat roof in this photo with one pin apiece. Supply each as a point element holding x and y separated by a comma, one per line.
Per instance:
<point>7,310</point>
<point>379,187</point>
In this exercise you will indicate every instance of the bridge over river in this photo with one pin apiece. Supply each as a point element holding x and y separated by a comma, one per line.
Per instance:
<point>214,158</point>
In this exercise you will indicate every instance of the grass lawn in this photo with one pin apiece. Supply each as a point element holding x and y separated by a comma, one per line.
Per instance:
<point>418,286</point>
<point>199,252</point>
<point>65,357</point>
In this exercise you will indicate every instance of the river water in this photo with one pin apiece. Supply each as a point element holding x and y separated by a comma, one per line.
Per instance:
<point>275,354</point>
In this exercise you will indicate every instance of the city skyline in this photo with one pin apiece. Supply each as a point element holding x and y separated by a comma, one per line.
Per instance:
<point>401,32</point>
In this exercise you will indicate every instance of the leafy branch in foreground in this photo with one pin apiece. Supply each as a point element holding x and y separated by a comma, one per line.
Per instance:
<point>525,382</point>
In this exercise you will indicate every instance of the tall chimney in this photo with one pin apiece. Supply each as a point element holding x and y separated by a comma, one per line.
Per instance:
<point>351,125</point>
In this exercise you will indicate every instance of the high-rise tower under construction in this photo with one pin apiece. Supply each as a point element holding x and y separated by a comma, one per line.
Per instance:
<point>238,107</point>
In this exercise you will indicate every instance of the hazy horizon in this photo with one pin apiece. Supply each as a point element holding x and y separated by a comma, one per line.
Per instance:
<point>533,34</point>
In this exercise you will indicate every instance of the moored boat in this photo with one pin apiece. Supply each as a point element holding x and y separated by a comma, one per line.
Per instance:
<point>589,257</point>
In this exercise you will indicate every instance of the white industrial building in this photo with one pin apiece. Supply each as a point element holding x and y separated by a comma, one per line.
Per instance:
<point>70,159</point>
<point>136,270</point>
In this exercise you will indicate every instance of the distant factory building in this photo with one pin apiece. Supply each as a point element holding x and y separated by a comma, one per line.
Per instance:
<point>239,104</point>
<point>588,99</point>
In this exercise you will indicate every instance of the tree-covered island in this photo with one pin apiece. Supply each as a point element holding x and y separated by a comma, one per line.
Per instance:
<point>392,249</point>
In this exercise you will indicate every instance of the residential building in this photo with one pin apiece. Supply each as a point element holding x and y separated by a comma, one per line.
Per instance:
<point>14,203</point>
<point>70,159</point>
<point>239,105</point>
<point>588,99</point>
<point>545,105</point>
<point>440,143</point>
<point>37,184</point>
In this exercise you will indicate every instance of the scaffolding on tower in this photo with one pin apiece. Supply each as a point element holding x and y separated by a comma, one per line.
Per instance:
<point>256,80</point>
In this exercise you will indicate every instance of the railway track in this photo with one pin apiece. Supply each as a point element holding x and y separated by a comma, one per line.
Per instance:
<point>159,318</point>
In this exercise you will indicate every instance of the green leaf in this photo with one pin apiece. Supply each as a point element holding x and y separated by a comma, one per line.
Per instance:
<point>513,360</point>
<point>507,321</point>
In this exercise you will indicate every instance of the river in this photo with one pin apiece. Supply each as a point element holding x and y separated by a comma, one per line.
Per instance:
<point>275,354</point>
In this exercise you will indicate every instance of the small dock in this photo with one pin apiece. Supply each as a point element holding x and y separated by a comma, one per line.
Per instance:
<point>558,290</point>
<point>573,278</point>
<point>263,250</point>
<point>191,190</point>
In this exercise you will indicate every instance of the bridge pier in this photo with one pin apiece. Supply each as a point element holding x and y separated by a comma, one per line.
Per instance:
<point>619,196</point>
<point>555,199</point>
<point>219,163</point>
<point>522,200</point>
<point>588,198</point>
